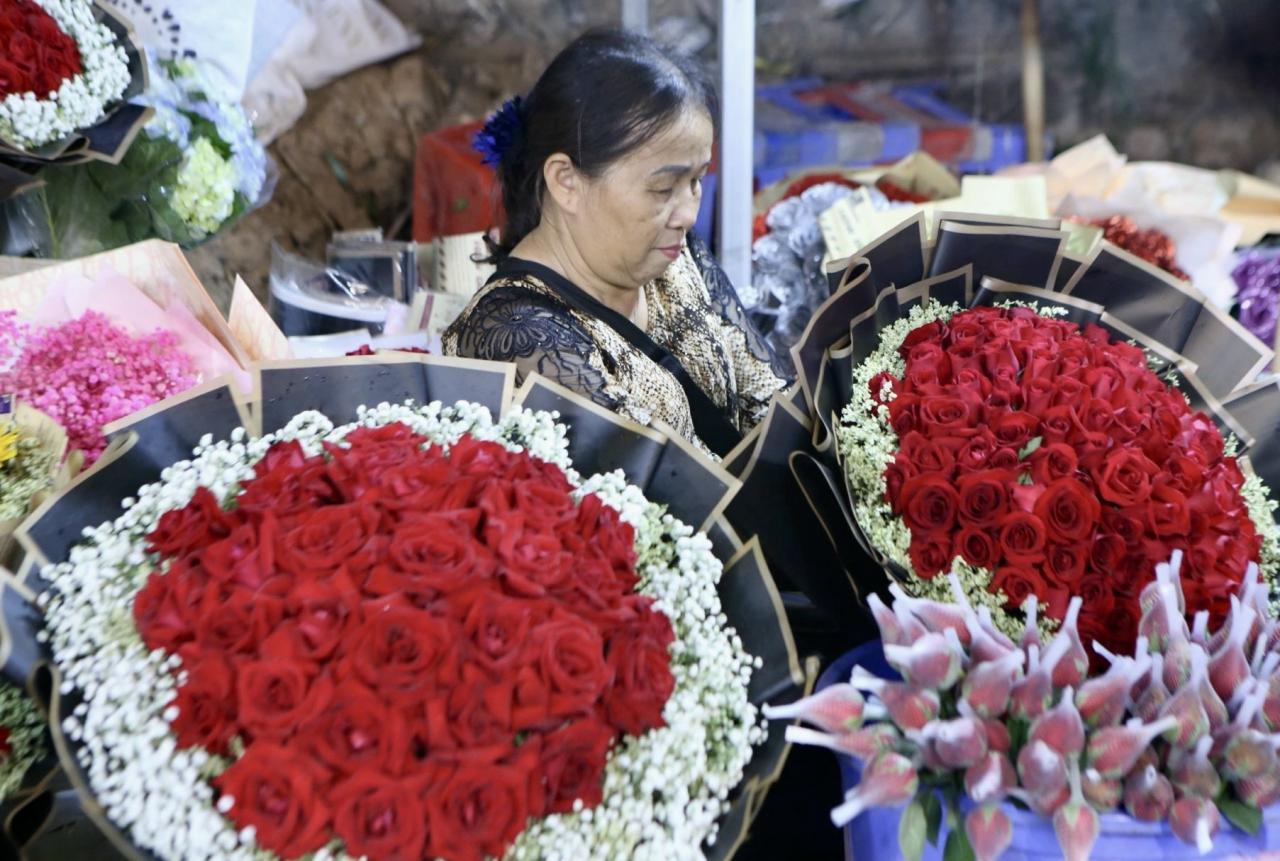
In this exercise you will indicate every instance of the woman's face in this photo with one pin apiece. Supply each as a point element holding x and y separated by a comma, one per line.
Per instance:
<point>635,215</point>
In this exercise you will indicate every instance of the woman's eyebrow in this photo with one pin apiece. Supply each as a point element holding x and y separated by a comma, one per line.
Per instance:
<point>677,169</point>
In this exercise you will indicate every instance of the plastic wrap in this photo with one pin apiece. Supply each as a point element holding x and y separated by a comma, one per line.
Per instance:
<point>309,299</point>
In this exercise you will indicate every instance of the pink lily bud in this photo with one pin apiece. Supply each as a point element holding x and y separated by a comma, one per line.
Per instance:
<point>1271,704</point>
<point>1030,631</point>
<point>890,780</point>
<point>929,662</point>
<point>1248,754</point>
<point>1155,695</point>
<point>1192,773</point>
<point>837,708</point>
<point>1040,769</point>
<point>1177,662</point>
<point>1072,669</point>
<point>1113,750</point>
<point>865,743</point>
<point>1060,727</point>
<point>1148,795</point>
<point>1103,795</point>
<point>990,778</point>
<point>1046,805</point>
<point>1033,693</point>
<point>1102,700</point>
<point>997,733</point>
<point>1195,821</point>
<point>936,616</point>
<point>987,686</point>
<point>1162,619</point>
<point>887,621</point>
<point>1187,708</point>
<point>1200,629</point>
<point>1229,667</point>
<point>1076,823</point>
<point>990,831</point>
<point>907,706</point>
<point>1262,791</point>
<point>959,743</point>
<point>986,643</point>
<point>1214,707</point>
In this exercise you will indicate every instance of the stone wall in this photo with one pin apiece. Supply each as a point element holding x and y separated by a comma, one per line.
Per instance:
<point>1175,79</point>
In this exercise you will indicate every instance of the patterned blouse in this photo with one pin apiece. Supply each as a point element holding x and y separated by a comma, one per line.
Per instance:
<point>693,311</point>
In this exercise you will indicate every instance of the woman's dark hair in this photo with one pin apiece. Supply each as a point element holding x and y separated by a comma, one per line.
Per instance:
<point>606,94</point>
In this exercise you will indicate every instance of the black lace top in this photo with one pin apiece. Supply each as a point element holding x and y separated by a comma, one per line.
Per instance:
<point>693,311</point>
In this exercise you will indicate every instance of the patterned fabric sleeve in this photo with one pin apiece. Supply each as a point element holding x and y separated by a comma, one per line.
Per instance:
<point>758,371</point>
<point>538,335</point>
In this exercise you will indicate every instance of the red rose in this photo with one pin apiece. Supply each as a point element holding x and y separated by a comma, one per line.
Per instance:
<point>206,703</point>
<point>999,361</point>
<point>975,381</point>
<point>1097,592</point>
<point>277,792</point>
<point>423,485</point>
<point>572,768</point>
<point>497,627</point>
<point>356,730</point>
<point>926,456</point>
<point>984,496</point>
<point>1064,564</point>
<point>166,608</point>
<point>1053,461</point>
<point>571,661</point>
<point>245,558</point>
<point>1003,460</point>
<point>1037,394</point>
<point>941,414</point>
<point>1022,537</point>
<point>478,811</point>
<point>1016,583</point>
<point>1058,423</point>
<point>292,484</point>
<point>1096,416</point>
<point>1167,512</point>
<point>877,384</point>
<point>481,458</point>
<point>1106,552</point>
<point>276,695</point>
<point>930,554</point>
<point>977,547</point>
<point>928,504</point>
<point>600,526</point>
<point>323,613</point>
<point>479,713</point>
<point>930,332</point>
<point>977,451</point>
<point>193,527</point>
<point>436,553</point>
<point>1068,390</point>
<point>239,622</point>
<point>903,413</point>
<point>404,653</point>
<point>895,476</point>
<point>1068,509</point>
<point>1015,429</point>
<point>1125,526</point>
<point>530,563</point>
<point>640,660</point>
<point>325,538</point>
<point>1125,477</point>
<point>379,817</point>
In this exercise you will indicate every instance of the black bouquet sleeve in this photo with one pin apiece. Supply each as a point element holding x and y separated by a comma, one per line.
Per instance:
<point>50,820</point>
<point>978,260</point>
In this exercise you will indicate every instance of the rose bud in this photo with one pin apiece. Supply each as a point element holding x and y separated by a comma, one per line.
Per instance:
<point>1248,754</point>
<point>1191,772</point>
<point>990,778</point>
<point>994,634</point>
<point>1076,823</point>
<point>958,743</point>
<point>1148,794</point>
<point>1073,667</point>
<point>990,831</point>
<point>1102,700</point>
<point>1200,629</point>
<point>1113,750</point>
<point>1030,630</point>
<point>1214,707</point>
<point>1060,727</point>
<point>1177,661</point>
<point>1040,769</point>
<point>890,780</point>
<point>936,616</point>
<point>866,743</point>
<point>1033,693</point>
<point>1187,708</point>
<point>887,621</point>
<point>1155,695</point>
<point>986,687</point>
<point>1229,667</point>
<point>837,708</point>
<point>1161,620</point>
<point>1262,791</point>
<point>1195,821</point>
<point>1046,805</point>
<point>932,661</point>
<point>1102,795</point>
<point>997,733</point>
<point>908,707</point>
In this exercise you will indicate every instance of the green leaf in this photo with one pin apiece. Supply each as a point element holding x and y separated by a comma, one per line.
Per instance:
<point>1025,478</point>
<point>911,828</point>
<point>1029,449</point>
<point>1246,817</point>
<point>958,848</point>
<point>932,816</point>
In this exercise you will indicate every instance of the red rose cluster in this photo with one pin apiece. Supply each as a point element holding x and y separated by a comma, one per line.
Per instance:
<point>1058,461</point>
<point>38,55</point>
<point>419,649</point>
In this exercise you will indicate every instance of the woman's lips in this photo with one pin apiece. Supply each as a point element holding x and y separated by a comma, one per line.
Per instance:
<point>672,251</point>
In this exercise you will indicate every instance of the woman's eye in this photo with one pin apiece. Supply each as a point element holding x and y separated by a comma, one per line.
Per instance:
<point>696,185</point>
<point>664,192</point>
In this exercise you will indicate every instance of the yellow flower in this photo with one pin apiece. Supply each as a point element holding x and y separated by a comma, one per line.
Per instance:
<point>8,445</point>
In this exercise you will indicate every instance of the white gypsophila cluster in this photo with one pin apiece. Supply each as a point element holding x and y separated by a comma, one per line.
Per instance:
<point>664,791</point>
<point>33,119</point>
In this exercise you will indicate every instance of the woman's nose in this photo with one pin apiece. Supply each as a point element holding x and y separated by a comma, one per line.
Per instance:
<point>685,215</point>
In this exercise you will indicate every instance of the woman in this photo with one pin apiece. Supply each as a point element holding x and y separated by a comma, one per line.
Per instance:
<point>599,285</point>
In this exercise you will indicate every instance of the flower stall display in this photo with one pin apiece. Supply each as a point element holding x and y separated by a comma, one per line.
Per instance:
<point>193,170</point>
<point>978,726</point>
<point>23,737</point>
<point>1257,277</point>
<point>1040,423</point>
<point>408,630</point>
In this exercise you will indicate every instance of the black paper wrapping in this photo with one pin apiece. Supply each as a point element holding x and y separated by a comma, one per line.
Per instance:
<point>53,822</point>
<point>981,260</point>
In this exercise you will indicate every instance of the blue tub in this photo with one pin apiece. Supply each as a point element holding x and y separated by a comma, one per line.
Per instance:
<point>873,836</point>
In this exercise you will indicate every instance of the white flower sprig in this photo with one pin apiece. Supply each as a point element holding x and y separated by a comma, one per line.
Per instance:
<point>30,120</point>
<point>663,791</point>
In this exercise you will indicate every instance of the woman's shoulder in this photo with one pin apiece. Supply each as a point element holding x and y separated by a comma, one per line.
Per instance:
<point>512,317</point>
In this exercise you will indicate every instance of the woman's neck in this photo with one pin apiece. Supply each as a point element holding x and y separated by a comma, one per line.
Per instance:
<point>547,246</point>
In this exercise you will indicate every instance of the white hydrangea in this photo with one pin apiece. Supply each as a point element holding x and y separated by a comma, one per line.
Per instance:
<point>31,120</point>
<point>664,791</point>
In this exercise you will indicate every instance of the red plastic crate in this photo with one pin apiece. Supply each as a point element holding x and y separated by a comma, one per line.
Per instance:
<point>453,190</point>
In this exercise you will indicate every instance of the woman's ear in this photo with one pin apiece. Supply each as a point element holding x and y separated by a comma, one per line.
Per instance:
<point>563,181</point>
